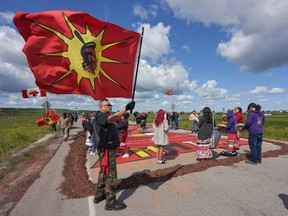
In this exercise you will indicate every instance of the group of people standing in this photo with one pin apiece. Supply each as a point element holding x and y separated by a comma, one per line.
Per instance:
<point>173,119</point>
<point>204,124</point>
<point>254,124</point>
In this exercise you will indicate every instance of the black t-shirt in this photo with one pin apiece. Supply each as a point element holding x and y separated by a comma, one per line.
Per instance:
<point>107,131</point>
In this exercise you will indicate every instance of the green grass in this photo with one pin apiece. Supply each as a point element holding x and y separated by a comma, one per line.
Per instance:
<point>276,127</point>
<point>19,129</point>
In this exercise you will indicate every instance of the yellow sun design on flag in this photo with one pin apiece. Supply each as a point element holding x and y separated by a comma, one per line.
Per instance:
<point>88,45</point>
<point>48,120</point>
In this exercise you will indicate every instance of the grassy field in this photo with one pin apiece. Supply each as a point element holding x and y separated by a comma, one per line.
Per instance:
<point>18,129</point>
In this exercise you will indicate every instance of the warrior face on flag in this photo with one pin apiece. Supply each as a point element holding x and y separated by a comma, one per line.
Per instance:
<point>74,53</point>
<point>89,57</point>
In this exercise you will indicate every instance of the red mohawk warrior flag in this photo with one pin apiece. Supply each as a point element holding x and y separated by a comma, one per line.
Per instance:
<point>33,92</point>
<point>49,118</point>
<point>169,92</point>
<point>74,53</point>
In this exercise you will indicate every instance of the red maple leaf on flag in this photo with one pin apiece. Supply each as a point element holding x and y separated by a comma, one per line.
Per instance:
<point>74,53</point>
<point>34,93</point>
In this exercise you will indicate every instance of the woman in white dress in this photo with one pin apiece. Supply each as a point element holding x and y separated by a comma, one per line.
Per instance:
<point>160,138</point>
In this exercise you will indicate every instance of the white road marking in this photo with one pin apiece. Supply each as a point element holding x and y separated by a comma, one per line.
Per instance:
<point>91,205</point>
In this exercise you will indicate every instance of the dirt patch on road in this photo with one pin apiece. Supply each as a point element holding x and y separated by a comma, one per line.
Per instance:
<point>76,183</point>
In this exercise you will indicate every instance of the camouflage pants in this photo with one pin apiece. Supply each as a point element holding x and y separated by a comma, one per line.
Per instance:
<point>65,132</point>
<point>106,183</point>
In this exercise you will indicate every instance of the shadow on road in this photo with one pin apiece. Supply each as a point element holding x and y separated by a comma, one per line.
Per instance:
<point>146,177</point>
<point>284,198</point>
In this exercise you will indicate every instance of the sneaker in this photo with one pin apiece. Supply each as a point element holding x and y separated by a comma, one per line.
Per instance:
<point>125,155</point>
<point>250,162</point>
<point>116,206</point>
<point>92,153</point>
<point>259,161</point>
<point>226,153</point>
<point>160,161</point>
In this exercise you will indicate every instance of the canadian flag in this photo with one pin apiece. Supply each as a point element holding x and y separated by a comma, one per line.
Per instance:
<point>33,92</point>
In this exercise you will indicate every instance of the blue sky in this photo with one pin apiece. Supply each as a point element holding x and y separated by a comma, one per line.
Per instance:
<point>216,53</point>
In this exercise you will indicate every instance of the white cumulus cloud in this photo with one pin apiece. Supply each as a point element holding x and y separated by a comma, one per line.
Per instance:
<point>263,89</point>
<point>257,30</point>
<point>209,90</point>
<point>156,42</point>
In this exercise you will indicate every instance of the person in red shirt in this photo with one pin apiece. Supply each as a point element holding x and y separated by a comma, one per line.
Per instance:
<point>239,116</point>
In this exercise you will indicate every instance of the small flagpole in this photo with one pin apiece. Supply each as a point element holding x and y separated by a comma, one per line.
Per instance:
<point>172,101</point>
<point>137,66</point>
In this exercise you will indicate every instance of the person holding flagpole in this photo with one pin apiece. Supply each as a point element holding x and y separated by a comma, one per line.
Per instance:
<point>107,141</point>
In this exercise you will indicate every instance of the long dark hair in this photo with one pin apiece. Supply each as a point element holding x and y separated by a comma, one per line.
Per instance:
<point>207,114</point>
<point>254,105</point>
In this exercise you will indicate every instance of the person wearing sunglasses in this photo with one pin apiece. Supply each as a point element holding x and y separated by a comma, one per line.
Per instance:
<point>107,141</point>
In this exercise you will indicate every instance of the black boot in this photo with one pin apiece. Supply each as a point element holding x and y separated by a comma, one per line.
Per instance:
<point>99,199</point>
<point>116,206</point>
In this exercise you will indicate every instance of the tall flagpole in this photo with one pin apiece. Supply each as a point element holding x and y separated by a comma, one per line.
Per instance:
<point>46,103</point>
<point>137,66</point>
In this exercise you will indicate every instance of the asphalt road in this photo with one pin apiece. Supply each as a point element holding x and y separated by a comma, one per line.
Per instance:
<point>241,189</point>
